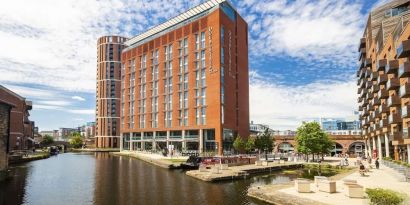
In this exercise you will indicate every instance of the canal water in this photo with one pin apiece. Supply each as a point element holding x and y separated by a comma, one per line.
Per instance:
<point>100,178</point>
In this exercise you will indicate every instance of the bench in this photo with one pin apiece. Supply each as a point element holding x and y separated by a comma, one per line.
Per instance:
<point>327,186</point>
<point>320,178</point>
<point>355,191</point>
<point>349,181</point>
<point>302,186</point>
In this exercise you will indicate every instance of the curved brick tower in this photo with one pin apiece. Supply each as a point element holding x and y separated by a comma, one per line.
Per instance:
<point>109,50</point>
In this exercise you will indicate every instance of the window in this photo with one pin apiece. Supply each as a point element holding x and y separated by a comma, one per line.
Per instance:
<point>196,42</point>
<point>203,115</point>
<point>222,35</point>
<point>222,55</point>
<point>202,40</point>
<point>203,59</point>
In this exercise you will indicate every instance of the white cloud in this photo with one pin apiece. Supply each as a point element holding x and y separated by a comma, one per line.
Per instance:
<point>54,44</point>
<point>60,103</point>
<point>82,111</point>
<point>318,32</point>
<point>285,107</point>
<point>78,98</point>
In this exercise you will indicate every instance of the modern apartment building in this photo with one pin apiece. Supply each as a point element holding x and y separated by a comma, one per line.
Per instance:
<point>109,50</point>
<point>21,128</point>
<point>185,82</point>
<point>384,81</point>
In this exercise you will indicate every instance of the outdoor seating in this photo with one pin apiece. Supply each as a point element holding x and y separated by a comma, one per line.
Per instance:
<point>327,186</point>
<point>319,178</point>
<point>302,186</point>
<point>349,181</point>
<point>355,191</point>
<point>215,170</point>
<point>202,168</point>
<point>224,166</point>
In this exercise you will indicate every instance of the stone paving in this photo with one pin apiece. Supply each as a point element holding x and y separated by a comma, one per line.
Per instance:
<point>236,172</point>
<point>156,159</point>
<point>377,178</point>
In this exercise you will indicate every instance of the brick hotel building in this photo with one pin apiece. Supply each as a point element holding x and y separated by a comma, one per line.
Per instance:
<point>107,132</point>
<point>185,82</point>
<point>384,81</point>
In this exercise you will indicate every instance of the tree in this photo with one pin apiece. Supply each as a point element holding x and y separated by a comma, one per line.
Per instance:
<point>311,139</point>
<point>76,141</point>
<point>239,144</point>
<point>265,141</point>
<point>250,144</point>
<point>47,140</point>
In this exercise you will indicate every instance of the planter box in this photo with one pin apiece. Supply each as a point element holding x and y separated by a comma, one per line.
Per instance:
<point>320,178</point>
<point>302,186</point>
<point>355,191</point>
<point>327,186</point>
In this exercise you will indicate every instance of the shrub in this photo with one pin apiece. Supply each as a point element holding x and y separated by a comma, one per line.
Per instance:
<point>380,196</point>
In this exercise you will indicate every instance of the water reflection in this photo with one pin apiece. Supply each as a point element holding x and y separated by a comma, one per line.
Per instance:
<point>104,179</point>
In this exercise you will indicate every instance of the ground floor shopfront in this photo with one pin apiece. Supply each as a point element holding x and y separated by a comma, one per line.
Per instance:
<point>179,141</point>
<point>382,146</point>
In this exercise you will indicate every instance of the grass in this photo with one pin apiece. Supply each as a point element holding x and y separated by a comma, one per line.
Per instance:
<point>176,160</point>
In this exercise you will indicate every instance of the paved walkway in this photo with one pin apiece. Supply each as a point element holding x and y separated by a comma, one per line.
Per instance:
<point>156,159</point>
<point>378,178</point>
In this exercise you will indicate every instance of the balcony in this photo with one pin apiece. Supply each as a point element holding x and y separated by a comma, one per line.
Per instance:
<point>383,94</point>
<point>383,109</point>
<point>405,111</point>
<point>405,90</point>
<point>374,88</point>
<point>383,123</point>
<point>377,114</point>
<point>374,75</point>
<point>362,53</point>
<point>382,79</point>
<point>392,84</point>
<point>392,67</point>
<point>404,70</point>
<point>369,84</point>
<point>359,99</point>
<point>369,96</point>
<point>359,90</point>
<point>360,108</point>
<point>393,101</point>
<point>394,136</point>
<point>376,101</point>
<point>381,64</point>
<point>368,73</point>
<point>370,107</point>
<point>368,62</point>
<point>362,72</point>
<point>365,112</point>
<point>365,102</point>
<point>403,50</point>
<point>395,118</point>
<point>363,93</point>
<point>362,43</point>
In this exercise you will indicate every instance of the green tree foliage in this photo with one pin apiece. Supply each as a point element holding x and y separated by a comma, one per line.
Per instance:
<point>380,196</point>
<point>76,141</point>
<point>265,141</point>
<point>239,144</point>
<point>250,144</point>
<point>311,139</point>
<point>47,140</point>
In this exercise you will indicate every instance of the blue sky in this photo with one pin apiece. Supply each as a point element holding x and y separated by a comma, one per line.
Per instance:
<point>302,54</point>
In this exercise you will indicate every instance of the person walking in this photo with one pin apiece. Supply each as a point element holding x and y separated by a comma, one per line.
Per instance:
<point>377,163</point>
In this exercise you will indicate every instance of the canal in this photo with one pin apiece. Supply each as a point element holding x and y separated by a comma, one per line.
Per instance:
<point>100,178</point>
